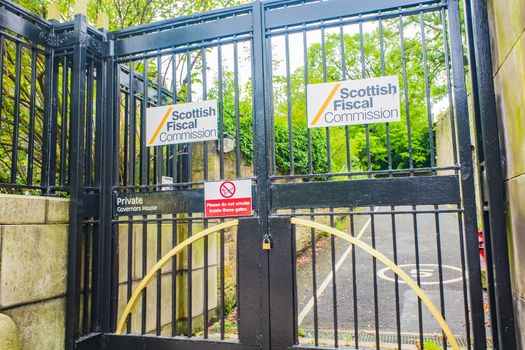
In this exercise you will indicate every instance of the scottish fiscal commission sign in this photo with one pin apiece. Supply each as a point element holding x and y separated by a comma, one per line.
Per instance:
<point>181,123</point>
<point>366,101</point>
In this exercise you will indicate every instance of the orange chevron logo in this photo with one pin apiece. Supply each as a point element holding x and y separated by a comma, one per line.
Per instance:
<point>162,122</point>
<point>325,104</point>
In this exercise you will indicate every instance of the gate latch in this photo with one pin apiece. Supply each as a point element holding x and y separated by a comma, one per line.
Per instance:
<point>267,243</point>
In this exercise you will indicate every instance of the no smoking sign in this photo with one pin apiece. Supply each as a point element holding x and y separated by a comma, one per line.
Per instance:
<point>228,198</point>
<point>227,189</point>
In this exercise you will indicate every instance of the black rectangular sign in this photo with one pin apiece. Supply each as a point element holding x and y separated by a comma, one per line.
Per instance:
<point>161,202</point>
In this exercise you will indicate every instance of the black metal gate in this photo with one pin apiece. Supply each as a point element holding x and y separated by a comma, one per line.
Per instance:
<point>389,189</point>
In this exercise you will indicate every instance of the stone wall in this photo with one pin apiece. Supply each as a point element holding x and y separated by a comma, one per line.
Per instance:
<point>445,150</point>
<point>507,20</point>
<point>444,146</point>
<point>197,270</point>
<point>33,265</point>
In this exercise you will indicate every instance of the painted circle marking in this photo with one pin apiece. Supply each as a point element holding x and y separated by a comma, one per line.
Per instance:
<point>425,271</point>
<point>227,189</point>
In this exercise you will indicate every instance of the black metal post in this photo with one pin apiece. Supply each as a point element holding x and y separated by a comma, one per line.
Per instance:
<point>467,178</point>
<point>78,101</point>
<point>50,125</point>
<point>494,176</point>
<point>249,295</point>
<point>261,138</point>
<point>480,171</point>
<point>282,282</point>
<point>108,261</point>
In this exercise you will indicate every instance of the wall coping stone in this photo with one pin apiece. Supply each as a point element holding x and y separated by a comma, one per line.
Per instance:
<point>18,209</point>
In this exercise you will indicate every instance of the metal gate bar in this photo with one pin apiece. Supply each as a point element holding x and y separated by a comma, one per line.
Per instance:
<point>309,195</point>
<point>96,89</point>
<point>149,176</point>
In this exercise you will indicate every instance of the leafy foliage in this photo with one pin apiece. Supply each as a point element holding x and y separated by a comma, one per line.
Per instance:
<point>347,57</point>
<point>128,13</point>
<point>11,89</point>
<point>281,131</point>
<point>365,59</point>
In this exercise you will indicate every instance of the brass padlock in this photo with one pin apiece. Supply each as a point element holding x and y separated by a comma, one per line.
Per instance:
<point>267,244</point>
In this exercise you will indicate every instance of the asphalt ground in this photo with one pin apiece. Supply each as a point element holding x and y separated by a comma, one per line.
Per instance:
<point>375,305</point>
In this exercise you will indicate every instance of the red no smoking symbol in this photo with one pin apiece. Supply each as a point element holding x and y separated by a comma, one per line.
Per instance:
<point>227,189</point>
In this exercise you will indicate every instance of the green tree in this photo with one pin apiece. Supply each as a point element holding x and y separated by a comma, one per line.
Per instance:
<point>280,131</point>
<point>123,13</point>
<point>128,13</point>
<point>362,60</point>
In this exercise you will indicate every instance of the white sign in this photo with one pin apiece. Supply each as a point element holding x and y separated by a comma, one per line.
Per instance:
<point>167,180</point>
<point>181,123</point>
<point>228,198</point>
<point>366,101</point>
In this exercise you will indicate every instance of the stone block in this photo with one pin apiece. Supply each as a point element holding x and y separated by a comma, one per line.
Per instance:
<point>444,144</point>
<point>8,334</point>
<point>197,299</point>
<point>516,234</point>
<point>166,245</point>
<point>18,209</point>
<point>197,250</point>
<point>303,237</point>
<point>139,232</point>
<point>198,159</point>
<point>151,246</point>
<point>126,231</point>
<point>166,295</point>
<point>214,161</point>
<point>33,264</point>
<point>41,325</point>
<point>510,96</point>
<point>151,305</point>
<point>507,21</point>
<point>57,210</point>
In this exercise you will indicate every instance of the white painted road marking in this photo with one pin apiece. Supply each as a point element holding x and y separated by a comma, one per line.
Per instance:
<point>310,304</point>
<point>425,271</point>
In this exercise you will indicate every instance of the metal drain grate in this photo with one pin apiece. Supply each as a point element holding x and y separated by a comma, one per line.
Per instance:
<point>385,337</point>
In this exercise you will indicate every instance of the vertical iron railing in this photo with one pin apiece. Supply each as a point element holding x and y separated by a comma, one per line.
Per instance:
<point>73,123</point>
<point>467,175</point>
<point>492,184</point>
<point>182,69</point>
<point>353,33</point>
<point>261,71</point>
<point>76,228</point>
<point>28,115</point>
<point>50,130</point>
